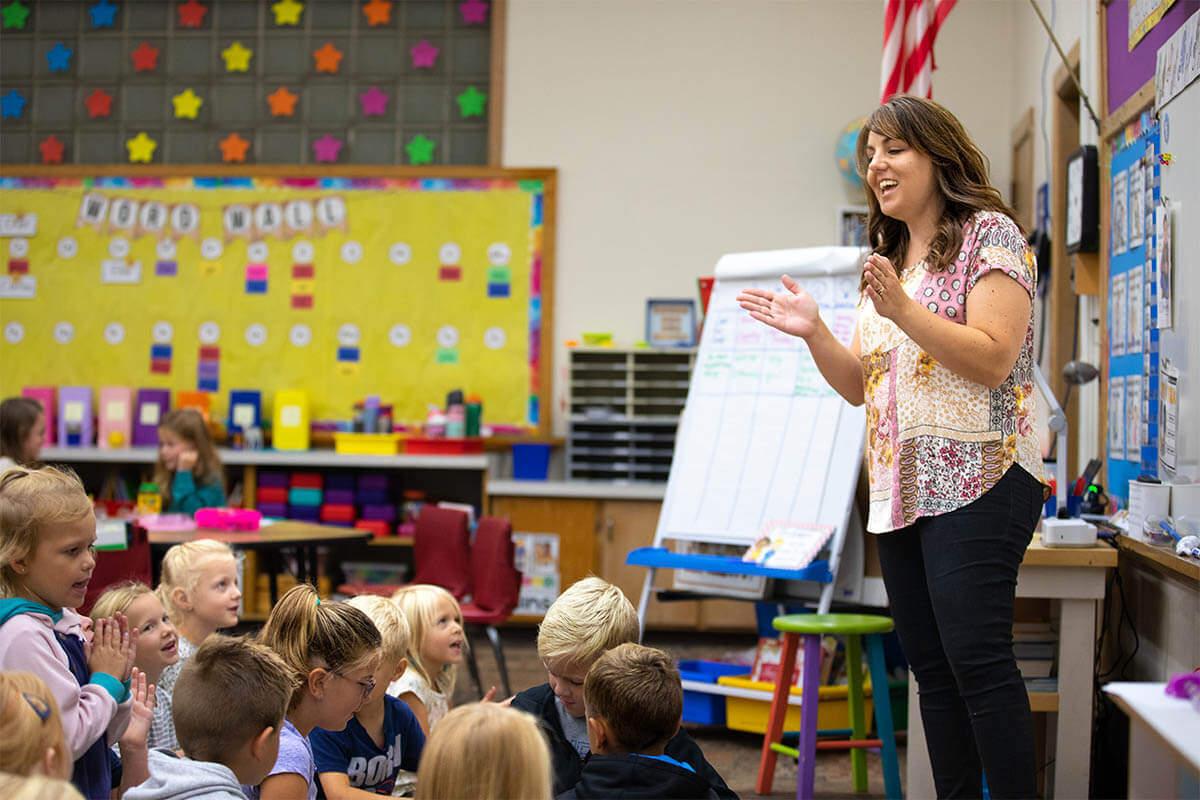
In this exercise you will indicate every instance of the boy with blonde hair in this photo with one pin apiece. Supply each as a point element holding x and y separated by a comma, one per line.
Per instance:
<point>634,700</point>
<point>381,745</point>
<point>229,705</point>
<point>591,617</point>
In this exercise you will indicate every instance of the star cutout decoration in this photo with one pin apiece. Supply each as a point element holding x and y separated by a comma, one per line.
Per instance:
<point>473,11</point>
<point>12,104</point>
<point>187,104</point>
<point>287,12</point>
<point>99,103</point>
<point>471,102</point>
<point>420,149</point>
<point>52,150</point>
<point>328,58</point>
<point>423,54</point>
<point>237,57</point>
<point>104,14</point>
<point>327,148</point>
<point>141,148</point>
<point>145,58</point>
<point>374,102</point>
<point>58,58</point>
<point>191,14</point>
<point>233,148</point>
<point>282,102</point>
<point>15,14</point>
<point>378,12</point>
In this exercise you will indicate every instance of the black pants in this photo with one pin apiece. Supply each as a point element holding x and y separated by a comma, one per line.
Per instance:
<point>951,580</point>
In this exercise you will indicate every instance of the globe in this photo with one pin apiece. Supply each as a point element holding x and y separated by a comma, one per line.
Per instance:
<point>844,152</point>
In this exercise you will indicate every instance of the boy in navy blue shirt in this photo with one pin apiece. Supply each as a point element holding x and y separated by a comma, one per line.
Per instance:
<point>383,741</point>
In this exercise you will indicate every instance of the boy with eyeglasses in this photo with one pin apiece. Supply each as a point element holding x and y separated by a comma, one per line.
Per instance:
<point>383,740</point>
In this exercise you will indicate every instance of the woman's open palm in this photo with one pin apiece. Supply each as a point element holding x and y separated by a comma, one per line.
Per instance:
<point>792,311</point>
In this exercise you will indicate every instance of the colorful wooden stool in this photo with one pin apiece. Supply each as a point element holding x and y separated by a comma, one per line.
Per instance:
<point>812,627</point>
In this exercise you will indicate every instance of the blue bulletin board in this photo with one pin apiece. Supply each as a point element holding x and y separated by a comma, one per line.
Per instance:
<point>1133,334</point>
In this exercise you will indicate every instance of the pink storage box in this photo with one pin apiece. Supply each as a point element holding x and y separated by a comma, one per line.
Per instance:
<point>229,519</point>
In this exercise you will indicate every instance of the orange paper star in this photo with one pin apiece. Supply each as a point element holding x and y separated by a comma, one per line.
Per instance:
<point>233,148</point>
<point>328,58</point>
<point>379,12</point>
<point>282,102</point>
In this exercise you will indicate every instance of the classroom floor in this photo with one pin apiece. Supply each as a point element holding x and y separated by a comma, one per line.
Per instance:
<point>734,754</point>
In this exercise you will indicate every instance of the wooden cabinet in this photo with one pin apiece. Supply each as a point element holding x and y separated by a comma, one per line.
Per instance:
<point>595,535</point>
<point>573,519</point>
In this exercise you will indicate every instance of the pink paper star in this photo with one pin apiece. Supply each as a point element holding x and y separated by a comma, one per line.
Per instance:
<point>473,11</point>
<point>327,148</point>
<point>374,102</point>
<point>423,54</point>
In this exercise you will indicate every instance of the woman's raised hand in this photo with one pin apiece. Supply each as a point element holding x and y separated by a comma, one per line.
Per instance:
<point>792,311</point>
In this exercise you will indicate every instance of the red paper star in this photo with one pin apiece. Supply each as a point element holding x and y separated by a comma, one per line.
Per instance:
<point>282,102</point>
<point>52,150</point>
<point>233,148</point>
<point>328,58</point>
<point>191,14</point>
<point>379,12</point>
<point>99,103</point>
<point>145,57</point>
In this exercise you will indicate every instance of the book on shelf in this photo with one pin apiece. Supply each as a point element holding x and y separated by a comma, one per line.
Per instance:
<point>788,545</point>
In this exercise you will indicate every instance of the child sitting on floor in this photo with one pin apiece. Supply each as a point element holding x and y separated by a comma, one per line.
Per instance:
<point>229,707</point>
<point>382,742</point>
<point>634,700</point>
<point>199,591</point>
<point>590,617</point>
<point>435,650</point>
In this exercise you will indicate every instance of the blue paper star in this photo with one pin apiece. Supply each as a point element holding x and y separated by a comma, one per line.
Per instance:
<point>12,104</point>
<point>103,14</point>
<point>59,57</point>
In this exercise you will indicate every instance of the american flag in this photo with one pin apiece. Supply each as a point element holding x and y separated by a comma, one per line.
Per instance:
<point>909,28</point>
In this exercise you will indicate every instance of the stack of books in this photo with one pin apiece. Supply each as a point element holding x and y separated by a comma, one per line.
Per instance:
<point>1035,645</point>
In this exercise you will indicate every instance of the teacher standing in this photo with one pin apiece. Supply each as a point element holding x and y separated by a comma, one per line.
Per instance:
<point>943,358</point>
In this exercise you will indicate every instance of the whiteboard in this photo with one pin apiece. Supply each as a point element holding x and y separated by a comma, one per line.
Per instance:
<point>1179,123</point>
<point>763,437</point>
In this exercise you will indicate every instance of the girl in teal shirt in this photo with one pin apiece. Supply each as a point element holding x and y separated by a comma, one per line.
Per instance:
<point>188,472</point>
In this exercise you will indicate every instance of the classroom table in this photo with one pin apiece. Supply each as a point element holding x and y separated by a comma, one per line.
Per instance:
<point>1164,740</point>
<point>1075,577</point>
<point>304,537</point>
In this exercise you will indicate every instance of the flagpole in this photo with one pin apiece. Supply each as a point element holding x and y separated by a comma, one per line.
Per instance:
<point>1063,56</point>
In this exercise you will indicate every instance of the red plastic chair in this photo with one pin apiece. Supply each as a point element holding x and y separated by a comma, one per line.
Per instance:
<point>441,554</point>
<point>497,584</point>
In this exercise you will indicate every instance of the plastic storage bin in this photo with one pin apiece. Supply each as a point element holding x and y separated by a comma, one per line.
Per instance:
<point>706,709</point>
<point>359,573</point>
<point>434,446</point>
<point>833,712</point>
<point>373,444</point>
<point>531,462</point>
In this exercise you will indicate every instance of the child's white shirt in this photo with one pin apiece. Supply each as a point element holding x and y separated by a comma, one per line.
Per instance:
<point>437,704</point>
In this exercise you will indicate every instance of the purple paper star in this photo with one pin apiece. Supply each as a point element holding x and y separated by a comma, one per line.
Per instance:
<point>327,148</point>
<point>473,11</point>
<point>423,54</point>
<point>374,102</point>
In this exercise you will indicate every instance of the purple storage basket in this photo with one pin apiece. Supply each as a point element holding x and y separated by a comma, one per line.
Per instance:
<point>339,497</point>
<point>386,513</point>
<point>306,513</point>
<point>273,509</point>
<point>274,479</point>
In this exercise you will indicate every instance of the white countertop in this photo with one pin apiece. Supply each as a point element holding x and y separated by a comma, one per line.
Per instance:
<point>578,489</point>
<point>1175,720</point>
<point>268,458</point>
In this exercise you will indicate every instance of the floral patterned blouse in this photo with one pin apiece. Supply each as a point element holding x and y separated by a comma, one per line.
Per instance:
<point>935,440</point>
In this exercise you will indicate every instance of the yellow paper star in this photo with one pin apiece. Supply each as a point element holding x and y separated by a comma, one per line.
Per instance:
<point>237,58</point>
<point>287,12</point>
<point>187,104</point>
<point>141,148</point>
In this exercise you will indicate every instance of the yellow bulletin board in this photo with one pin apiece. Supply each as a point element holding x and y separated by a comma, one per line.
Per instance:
<point>400,282</point>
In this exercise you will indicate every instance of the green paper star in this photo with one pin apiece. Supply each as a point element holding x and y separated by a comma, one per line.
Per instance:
<point>15,14</point>
<point>420,149</point>
<point>471,102</point>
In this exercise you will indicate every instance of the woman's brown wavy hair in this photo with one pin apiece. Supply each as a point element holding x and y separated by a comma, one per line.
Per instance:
<point>959,166</point>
